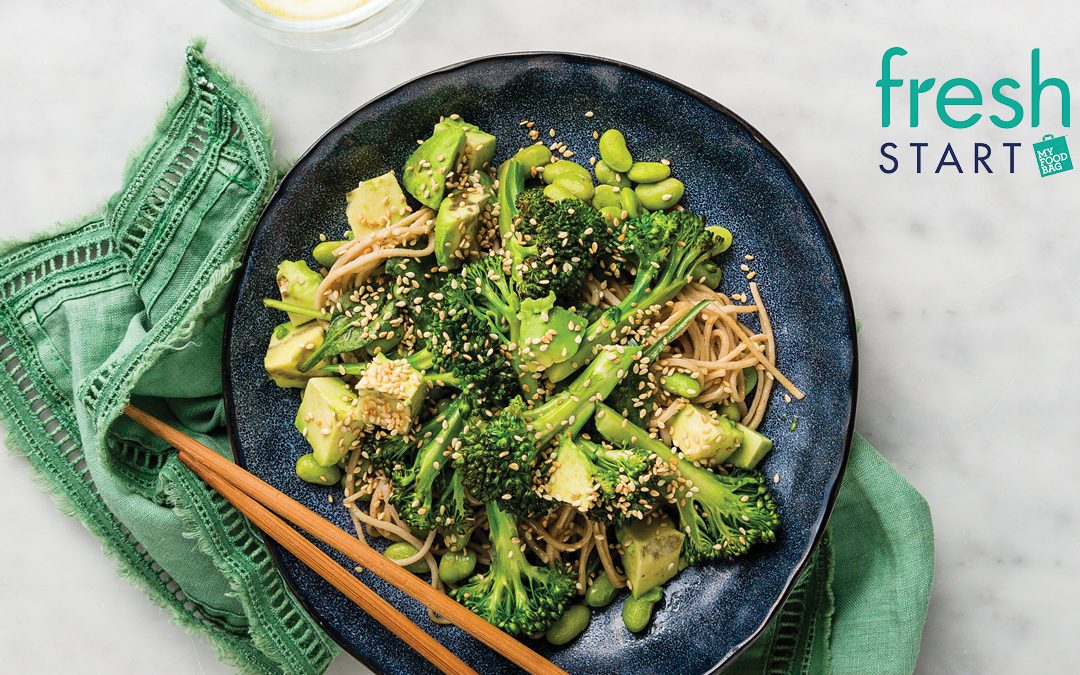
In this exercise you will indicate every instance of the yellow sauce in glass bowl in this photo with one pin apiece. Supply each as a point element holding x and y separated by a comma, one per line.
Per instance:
<point>308,10</point>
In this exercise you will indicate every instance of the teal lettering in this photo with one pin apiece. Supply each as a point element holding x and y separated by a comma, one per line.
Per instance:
<point>1037,87</point>
<point>974,97</point>
<point>1002,98</point>
<point>887,83</point>
<point>917,88</point>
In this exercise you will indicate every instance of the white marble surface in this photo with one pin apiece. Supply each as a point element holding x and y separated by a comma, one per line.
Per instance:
<point>967,285</point>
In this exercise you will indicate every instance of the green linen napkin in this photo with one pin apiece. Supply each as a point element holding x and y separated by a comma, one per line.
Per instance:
<point>860,605</point>
<point>128,304</point>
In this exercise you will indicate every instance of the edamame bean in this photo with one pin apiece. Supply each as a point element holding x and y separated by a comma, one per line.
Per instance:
<point>532,157</point>
<point>600,592</point>
<point>607,196</point>
<point>648,172</point>
<point>750,378</point>
<point>402,550</point>
<point>681,384</point>
<point>324,252</point>
<point>455,566</point>
<point>612,213</point>
<point>637,612</point>
<point>630,203</point>
<point>731,411</point>
<point>582,188</point>
<point>564,167</point>
<point>725,236</point>
<point>571,624</point>
<point>708,273</point>
<point>311,471</point>
<point>614,152</point>
<point>608,176</point>
<point>557,193</point>
<point>662,195</point>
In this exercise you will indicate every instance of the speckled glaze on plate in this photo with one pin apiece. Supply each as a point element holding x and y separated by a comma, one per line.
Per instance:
<point>733,176</point>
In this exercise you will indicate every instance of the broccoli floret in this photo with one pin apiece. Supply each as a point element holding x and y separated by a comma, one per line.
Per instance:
<point>609,484</point>
<point>554,244</point>
<point>492,297</point>
<point>420,490</point>
<point>722,516</point>
<point>635,397</point>
<point>501,454</point>
<point>388,452</point>
<point>515,595</point>
<point>667,247</point>
<point>498,458</point>
<point>461,344</point>
<point>633,482</point>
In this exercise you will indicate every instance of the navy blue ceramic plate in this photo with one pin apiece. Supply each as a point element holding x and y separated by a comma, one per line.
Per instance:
<point>734,177</point>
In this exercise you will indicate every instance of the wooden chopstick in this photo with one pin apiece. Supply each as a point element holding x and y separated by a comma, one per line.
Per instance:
<point>325,531</point>
<point>327,568</point>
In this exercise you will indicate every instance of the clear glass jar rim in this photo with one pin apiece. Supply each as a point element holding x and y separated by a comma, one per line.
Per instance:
<point>342,21</point>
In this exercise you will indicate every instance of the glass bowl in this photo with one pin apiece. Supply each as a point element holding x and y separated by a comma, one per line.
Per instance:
<point>324,25</point>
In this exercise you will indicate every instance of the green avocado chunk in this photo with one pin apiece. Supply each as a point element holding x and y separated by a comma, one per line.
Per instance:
<point>458,219</point>
<point>289,346</point>
<point>549,333</point>
<point>375,203</point>
<point>390,393</point>
<point>479,145</point>
<point>704,436</point>
<point>650,552</point>
<point>753,449</point>
<point>572,480</point>
<point>297,284</point>
<point>328,419</point>
<point>428,166</point>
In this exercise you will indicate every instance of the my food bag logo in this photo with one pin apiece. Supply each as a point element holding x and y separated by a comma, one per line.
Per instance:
<point>961,104</point>
<point>1053,155</point>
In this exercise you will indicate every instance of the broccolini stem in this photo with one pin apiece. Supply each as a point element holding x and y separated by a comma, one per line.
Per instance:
<point>575,404</point>
<point>421,360</point>
<point>356,369</point>
<point>605,330</point>
<point>676,329</point>
<point>511,179</point>
<point>453,421</point>
<point>447,379</point>
<point>502,528</point>
<point>618,429</point>
<point>295,309</point>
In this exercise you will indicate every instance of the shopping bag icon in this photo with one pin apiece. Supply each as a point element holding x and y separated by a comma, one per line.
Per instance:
<point>1053,155</point>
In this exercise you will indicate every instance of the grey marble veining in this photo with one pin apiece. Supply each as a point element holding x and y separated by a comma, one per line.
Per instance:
<point>967,285</point>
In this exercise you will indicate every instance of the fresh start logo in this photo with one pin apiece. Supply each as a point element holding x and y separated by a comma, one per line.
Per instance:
<point>960,103</point>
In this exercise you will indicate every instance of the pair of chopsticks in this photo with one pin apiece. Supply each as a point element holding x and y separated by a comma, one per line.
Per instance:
<point>266,507</point>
